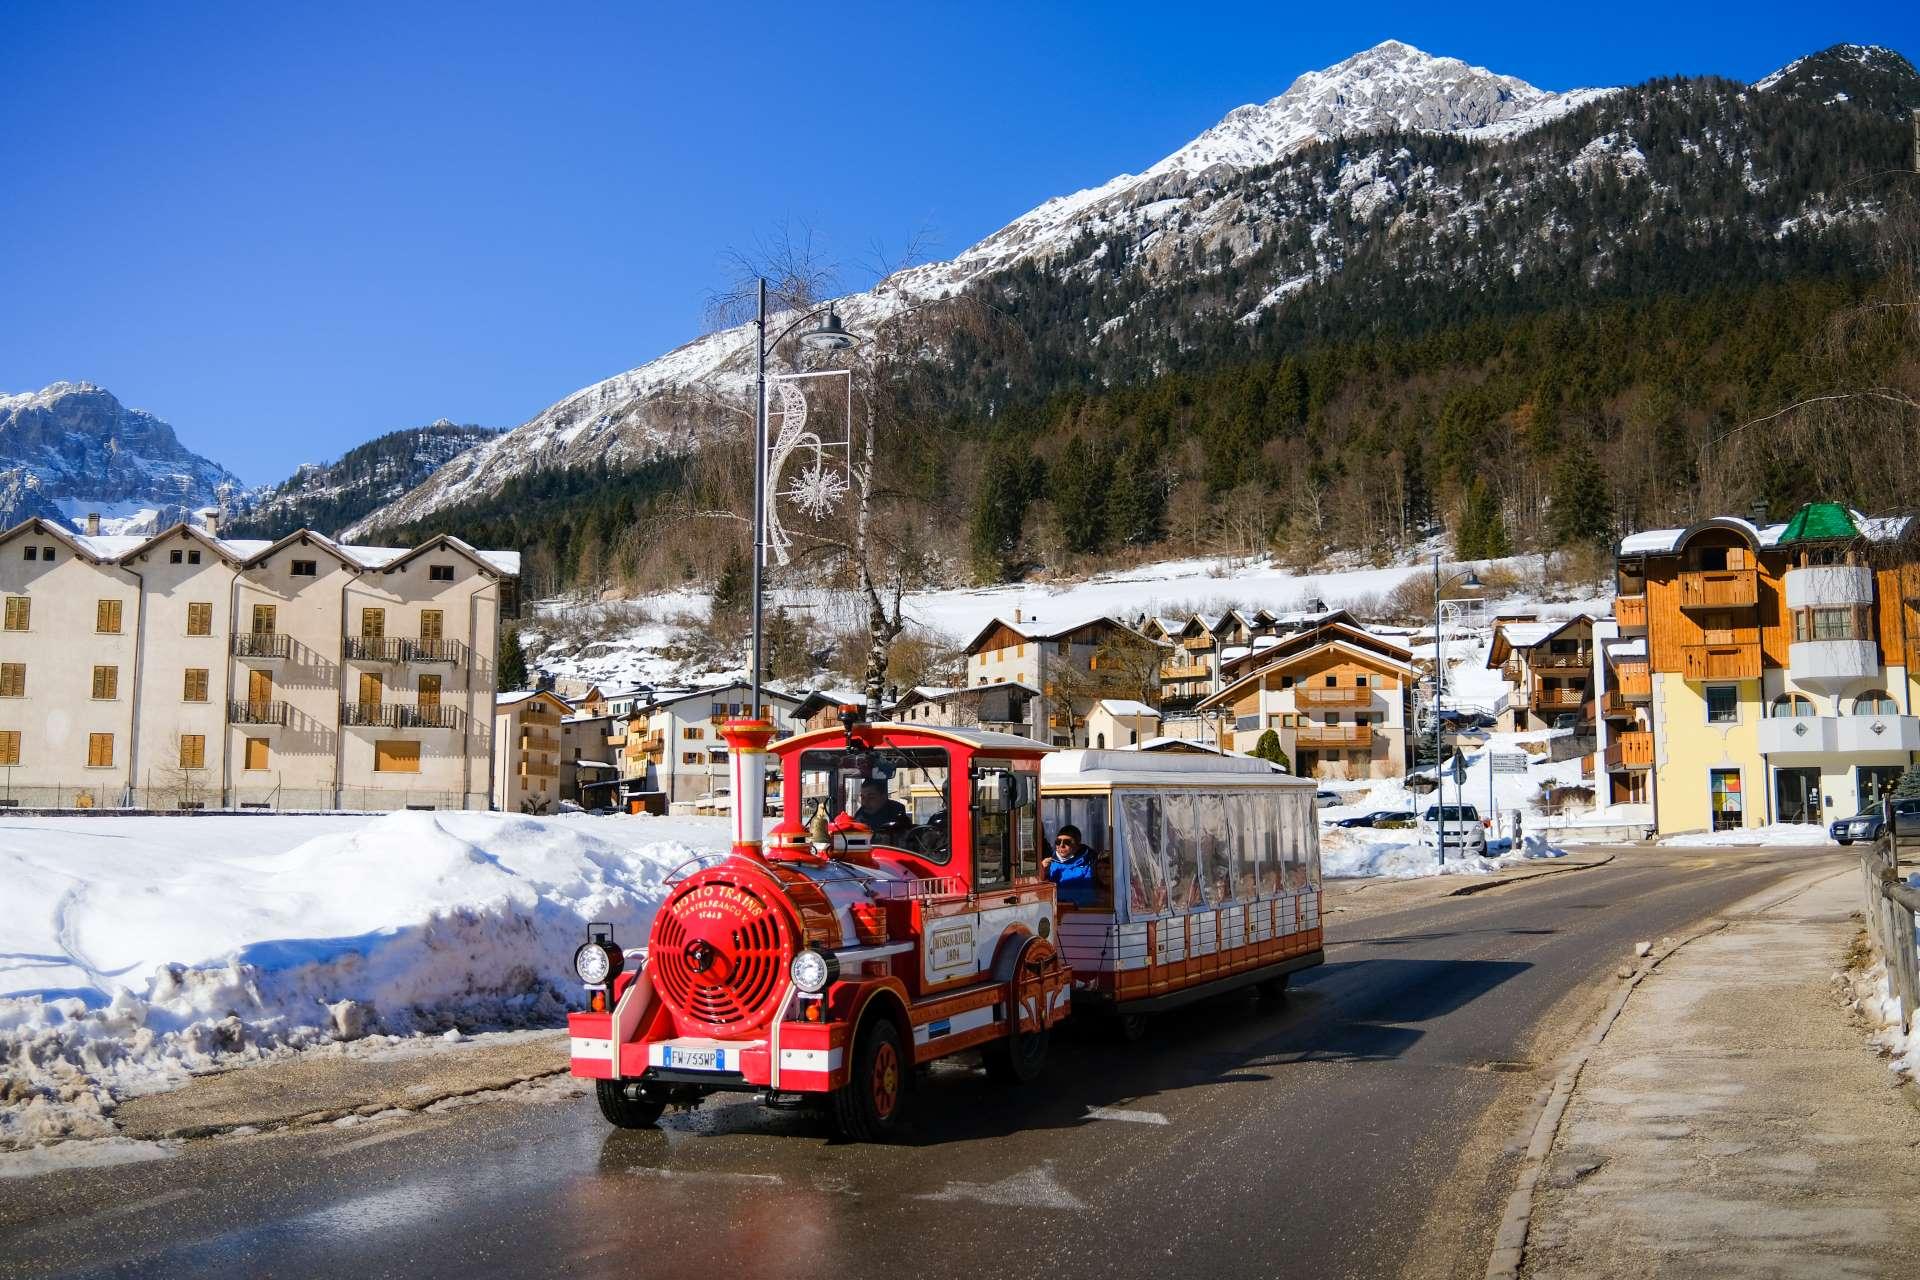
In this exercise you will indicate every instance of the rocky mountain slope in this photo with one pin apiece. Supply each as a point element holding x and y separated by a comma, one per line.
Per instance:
<point>627,418</point>
<point>71,448</point>
<point>1390,191</point>
<point>329,496</point>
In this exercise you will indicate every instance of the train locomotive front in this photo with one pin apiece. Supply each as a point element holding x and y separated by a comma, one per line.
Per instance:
<point>896,916</point>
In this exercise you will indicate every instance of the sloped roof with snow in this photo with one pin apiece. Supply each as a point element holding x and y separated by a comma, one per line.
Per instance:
<point>1126,707</point>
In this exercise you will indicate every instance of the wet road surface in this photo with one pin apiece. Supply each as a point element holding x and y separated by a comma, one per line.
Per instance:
<point>1340,1132</point>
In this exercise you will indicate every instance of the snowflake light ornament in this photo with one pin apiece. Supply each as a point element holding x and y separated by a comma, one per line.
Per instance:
<point>817,491</point>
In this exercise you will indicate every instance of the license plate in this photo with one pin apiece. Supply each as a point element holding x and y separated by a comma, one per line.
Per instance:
<point>694,1059</point>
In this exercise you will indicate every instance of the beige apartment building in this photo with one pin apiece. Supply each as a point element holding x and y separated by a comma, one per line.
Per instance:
<point>526,737</point>
<point>1072,665</point>
<point>190,671</point>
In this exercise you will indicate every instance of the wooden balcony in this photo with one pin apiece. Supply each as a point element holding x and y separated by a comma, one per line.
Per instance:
<point>1185,671</point>
<point>1633,680</point>
<point>1580,661</point>
<point>1346,696</point>
<point>539,742</point>
<point>1631,750</point>
<point>1735,661</point>
<point>1631,611</point>
<point>534,769</point>
<point>543,719</point>
<point>1615,707</point>
<point>1559,699</point>
<point>1719,589</point>
<point>1320,737</point>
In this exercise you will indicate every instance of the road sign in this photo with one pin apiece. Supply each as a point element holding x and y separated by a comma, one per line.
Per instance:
<point>1508,761</point>
<point>1459,769</point>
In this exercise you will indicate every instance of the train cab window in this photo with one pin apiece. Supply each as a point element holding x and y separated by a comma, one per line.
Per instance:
<point>1006,813</point>
<point>903,793</point>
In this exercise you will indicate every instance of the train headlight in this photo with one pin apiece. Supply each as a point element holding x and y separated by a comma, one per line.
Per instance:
<point>593,963</point>
<point>813,970</point>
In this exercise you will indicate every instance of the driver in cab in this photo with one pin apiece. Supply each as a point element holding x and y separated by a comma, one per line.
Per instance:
<point>877,812</point>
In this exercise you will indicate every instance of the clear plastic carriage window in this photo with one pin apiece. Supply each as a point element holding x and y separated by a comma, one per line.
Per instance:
<point>1212,828</point>
<point>1146,868</point>
<point>1269,817</point>
<point>1088,813</point>
<point>1297,809</point>
<point>1179,845</point>
<point>1244,809</point>
<point>1309,845</point>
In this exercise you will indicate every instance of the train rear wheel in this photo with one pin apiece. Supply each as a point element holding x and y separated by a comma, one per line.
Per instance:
<point>1132,1027</point>
<point>869,1106</point>
<point>624,1112</point>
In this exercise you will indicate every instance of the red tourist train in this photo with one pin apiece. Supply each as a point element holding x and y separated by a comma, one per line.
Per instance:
<point>901,913</point>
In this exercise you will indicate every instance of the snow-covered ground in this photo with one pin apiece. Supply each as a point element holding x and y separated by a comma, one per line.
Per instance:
<point>1779,833</point>
<point>135,951</point>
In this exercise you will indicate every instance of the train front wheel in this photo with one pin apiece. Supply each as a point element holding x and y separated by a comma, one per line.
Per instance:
<point>869,1106</point>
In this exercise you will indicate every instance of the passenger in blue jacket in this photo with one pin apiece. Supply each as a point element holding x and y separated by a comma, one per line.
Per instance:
<point>1071,868</point>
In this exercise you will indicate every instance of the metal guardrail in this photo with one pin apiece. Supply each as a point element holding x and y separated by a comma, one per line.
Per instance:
<point>1892,905</point>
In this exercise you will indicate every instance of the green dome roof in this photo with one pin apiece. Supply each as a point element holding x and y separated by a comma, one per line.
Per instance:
<point>1820,521</point>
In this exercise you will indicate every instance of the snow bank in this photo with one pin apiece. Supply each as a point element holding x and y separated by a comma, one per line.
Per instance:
<point>1362,851</point>
<point>1780,833</point>
<point>136,951</point>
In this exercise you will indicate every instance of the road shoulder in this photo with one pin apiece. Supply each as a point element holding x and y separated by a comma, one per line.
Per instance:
<point>1733,1118</point>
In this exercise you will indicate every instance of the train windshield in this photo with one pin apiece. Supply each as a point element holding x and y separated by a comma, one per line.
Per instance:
<point>903,794</point>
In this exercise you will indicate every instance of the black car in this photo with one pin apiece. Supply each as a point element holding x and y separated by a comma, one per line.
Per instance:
<point>1866,824</point>
<point>1376,818</point>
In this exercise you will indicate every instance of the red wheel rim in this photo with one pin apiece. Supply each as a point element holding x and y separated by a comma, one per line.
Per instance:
<point>886,1080</point>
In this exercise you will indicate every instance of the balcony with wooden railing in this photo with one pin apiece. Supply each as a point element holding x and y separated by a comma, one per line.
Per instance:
<point>543,719</point>
<point>1634,680</point>
<point>1559,699</point>
<point>1352,737</point>
<point>1719,589</point>
<point>1359,696</point>
<point>1727,660</point>
<point>1631,750</point>
<point>535,769</point>
<point>539,742</point>
<point>1615,707</point>
<point>1579,660</point>
<point>1185,671</point>
<point>1631,611</point>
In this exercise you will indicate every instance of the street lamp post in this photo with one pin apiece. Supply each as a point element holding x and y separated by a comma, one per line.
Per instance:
<point>830,336</point>
<point>1471,581</point>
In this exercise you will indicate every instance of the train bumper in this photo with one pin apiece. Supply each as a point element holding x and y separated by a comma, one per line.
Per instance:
<point>811,1057</point>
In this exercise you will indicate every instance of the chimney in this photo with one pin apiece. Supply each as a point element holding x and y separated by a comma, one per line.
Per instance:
<point>1017,613</point>
<point>1758,512</point>
<point>93,524</point>
<point>213,524</point>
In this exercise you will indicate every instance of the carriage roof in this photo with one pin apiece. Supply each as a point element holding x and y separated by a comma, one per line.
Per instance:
<point>1144,768</point>
<point>985,741</point>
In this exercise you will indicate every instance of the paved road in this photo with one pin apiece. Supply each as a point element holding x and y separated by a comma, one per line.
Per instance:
<point>1354,1129</point>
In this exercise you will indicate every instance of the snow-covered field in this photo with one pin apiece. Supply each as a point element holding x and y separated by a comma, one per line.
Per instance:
<point>135,951</point>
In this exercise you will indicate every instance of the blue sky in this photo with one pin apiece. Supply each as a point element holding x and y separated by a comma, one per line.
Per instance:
<point>287,230</point>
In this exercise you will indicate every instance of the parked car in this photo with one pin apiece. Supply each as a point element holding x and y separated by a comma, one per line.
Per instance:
<point>1325,799</point>
<point>1378,818</point>
<point>1866,824</point>
<point>1466,830</point>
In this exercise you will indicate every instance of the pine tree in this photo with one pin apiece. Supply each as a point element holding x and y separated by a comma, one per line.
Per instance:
<point>731,589</point>
<point>1581,509</point>
<point>1268,748</point>
<point>1909,785</point>
<point>1078,488</point>
<point>511,664</point>
<point>1482,534</point>
<point>999,510</point>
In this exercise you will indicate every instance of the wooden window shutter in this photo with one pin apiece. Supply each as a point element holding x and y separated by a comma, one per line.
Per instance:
<point>193,751</point>
<point>106,617</point>
<point>257,753</point>
<point>195,689</point>
<point>106,682</point>
<point>429,691</point>
<point>263,617</point>
<point>13,679</point>
<point>19,613</point>
<point>371,691</point>
<point>200,618</point>
<point>396,757</point>
<point>99,750</point>
<point>9,746</point>
<point>432,624</point>
<point>260,686</point>
<point>373,624</point>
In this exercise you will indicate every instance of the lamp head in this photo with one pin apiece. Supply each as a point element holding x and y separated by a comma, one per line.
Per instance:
<point>1472,581</point>
<point>830,336</point>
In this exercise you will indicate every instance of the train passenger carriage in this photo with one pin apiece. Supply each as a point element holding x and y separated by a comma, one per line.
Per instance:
<point>1207,877</point>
